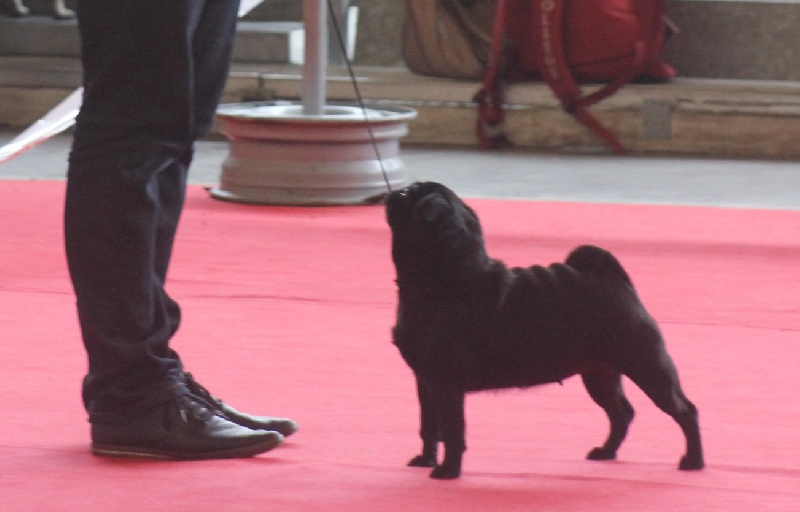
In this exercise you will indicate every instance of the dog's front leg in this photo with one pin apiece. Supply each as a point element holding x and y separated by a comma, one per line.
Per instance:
<point>429,429</point>
<point>450,400</point>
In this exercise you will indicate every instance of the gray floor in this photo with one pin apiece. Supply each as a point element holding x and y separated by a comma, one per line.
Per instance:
<point>525,175</point>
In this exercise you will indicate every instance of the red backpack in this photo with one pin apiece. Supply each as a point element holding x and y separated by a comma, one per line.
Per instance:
<point>567,42</point>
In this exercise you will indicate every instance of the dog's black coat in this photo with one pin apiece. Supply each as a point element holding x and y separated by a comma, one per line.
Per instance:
<point>466,322</point>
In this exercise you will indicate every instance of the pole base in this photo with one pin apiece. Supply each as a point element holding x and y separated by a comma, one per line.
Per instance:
<point>280,156</point>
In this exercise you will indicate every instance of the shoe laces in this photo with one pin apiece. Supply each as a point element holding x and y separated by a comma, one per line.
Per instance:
<point>200,392</point>
<point>192,412</point>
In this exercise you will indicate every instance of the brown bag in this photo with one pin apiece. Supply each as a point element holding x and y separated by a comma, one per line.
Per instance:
<point>448,38</point>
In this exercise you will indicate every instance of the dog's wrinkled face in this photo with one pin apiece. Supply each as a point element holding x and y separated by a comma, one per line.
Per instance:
<point>433,231</point>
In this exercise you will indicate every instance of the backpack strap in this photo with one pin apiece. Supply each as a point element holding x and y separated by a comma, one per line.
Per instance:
<point>548,29</point>
<point>556,72</point>
<point>490,97</point>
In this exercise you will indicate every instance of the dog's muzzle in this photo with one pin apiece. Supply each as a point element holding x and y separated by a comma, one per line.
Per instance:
<point>407,191</point>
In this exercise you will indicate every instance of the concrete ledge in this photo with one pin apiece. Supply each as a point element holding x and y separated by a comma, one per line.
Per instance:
<point>714,118</point>
<point>718,118</point>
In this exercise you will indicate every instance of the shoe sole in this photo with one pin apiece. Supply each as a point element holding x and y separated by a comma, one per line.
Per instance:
<point>139,452</point>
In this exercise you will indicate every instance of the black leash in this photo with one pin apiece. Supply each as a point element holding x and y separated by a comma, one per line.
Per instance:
<point>340,40</point>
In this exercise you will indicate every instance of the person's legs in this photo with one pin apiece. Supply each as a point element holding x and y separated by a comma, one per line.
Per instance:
<point>113,217</point>
<point>153,73</point>
<point>212,46</point>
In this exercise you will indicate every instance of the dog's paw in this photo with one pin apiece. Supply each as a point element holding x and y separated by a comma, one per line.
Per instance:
<point>423,461</point>
<point>601,454</point>
<point>691,463</point>
<point>445,472</point>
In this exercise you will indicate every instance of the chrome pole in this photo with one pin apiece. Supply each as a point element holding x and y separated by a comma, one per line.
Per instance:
<point>316,56</point>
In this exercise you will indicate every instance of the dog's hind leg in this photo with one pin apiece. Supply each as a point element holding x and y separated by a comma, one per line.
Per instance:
<point>605,387</point>
<point>660,382</point>
<point>429,430</point>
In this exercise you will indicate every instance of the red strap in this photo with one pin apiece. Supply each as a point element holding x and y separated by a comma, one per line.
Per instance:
<point>634,69</point>
<point>491,117</point>
<point>557,74</point>
<point>591,122</point>
<point>548,18</point>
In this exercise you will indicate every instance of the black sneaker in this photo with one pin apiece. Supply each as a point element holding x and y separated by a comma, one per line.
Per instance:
<point>182,429</point>
<point>283,426</point>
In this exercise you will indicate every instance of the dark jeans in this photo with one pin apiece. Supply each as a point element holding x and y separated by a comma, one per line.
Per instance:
<point>154,71</point>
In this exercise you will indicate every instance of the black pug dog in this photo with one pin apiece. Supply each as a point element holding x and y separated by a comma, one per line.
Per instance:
<point>467,322</point>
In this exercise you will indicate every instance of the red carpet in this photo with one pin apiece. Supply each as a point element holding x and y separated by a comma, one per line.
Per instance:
<point>288,312</point>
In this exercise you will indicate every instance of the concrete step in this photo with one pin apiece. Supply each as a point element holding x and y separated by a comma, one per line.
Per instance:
<point>713,118</point>
<point>706,117</point>
<point>42,36</point>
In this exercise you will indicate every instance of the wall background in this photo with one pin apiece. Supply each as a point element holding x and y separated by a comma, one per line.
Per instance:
<point>737,39</point>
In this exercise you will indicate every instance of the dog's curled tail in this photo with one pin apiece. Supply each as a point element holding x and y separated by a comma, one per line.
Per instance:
<point>592,259</point>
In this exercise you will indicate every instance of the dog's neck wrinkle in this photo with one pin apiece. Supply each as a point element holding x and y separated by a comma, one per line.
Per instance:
<point>416,283</point>
<point>431,282</point>
<point>428,285</point>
